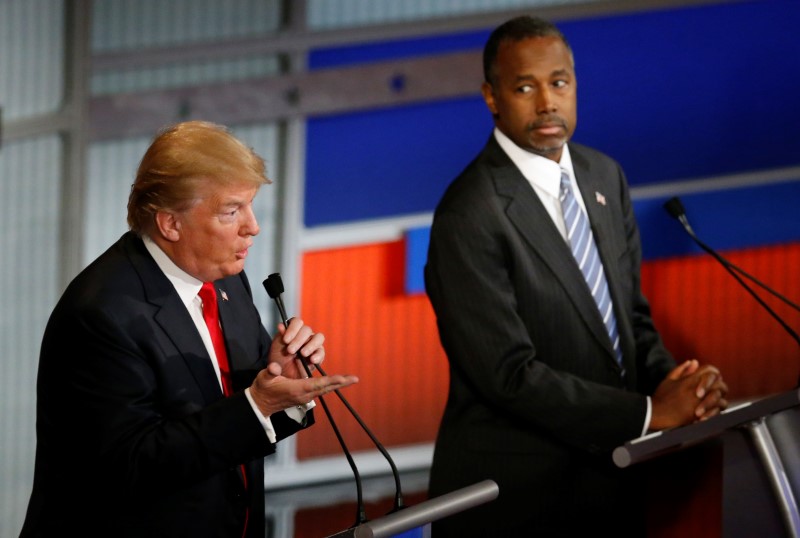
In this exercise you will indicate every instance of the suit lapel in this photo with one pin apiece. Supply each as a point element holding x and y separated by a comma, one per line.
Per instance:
<point>601,216</point>
<point>171,315</point>
<point>526,212</point>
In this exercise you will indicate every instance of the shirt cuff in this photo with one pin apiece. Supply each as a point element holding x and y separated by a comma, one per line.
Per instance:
<point>296,413</point>
<point>648,416</point>
<point>265,421</point>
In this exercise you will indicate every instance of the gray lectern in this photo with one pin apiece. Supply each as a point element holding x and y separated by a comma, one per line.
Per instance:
<point>761,462</point>
<point>425,512</point>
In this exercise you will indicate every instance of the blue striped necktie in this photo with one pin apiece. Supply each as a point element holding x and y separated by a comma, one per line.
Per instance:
<point>584,249</point>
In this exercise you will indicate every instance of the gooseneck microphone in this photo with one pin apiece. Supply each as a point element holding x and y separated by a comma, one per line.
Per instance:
<point>274,286</point>
<point>675,208</point>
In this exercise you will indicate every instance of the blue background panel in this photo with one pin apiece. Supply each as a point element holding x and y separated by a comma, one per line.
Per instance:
<point>417,241</point>
<point>672,95</point>
<point>391,162</point>
<point>728,219</point>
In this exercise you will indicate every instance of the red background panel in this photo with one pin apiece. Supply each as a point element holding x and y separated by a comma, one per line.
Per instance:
<point>702,312</point>
<point>389,339</point>
<point>376,331</point>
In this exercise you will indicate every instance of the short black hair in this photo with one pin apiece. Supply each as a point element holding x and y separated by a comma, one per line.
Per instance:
<point>517,29</point>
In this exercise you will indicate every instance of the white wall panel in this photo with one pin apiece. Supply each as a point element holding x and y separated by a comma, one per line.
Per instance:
<point>128,24</point>
<point>112,169</point>
<point>328,14</point>
<point>31,57</point>
<point>29,241</point>
<point>31,85</point>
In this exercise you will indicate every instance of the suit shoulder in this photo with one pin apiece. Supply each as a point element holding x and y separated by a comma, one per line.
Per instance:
<point>580,152</point>
<point>472,188</point>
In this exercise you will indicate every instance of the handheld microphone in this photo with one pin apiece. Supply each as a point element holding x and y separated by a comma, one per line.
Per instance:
<point>274,286</point>
<point>675,208</point>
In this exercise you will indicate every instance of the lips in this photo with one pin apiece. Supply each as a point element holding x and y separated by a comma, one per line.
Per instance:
<point>242,254</point>
<point>549,129</point>
<point>549,126</point>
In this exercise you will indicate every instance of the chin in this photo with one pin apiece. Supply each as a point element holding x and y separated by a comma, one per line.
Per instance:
<point>232,270</point>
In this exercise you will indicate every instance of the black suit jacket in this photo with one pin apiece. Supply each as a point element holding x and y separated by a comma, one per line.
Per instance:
<point>536,399</point>
<point>134,436</point>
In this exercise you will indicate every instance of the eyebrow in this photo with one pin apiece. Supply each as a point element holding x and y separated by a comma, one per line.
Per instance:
<point>554,73</point>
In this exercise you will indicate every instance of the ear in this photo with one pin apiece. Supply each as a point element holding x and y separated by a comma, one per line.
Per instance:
<point>488,97</point>
<point>168,225</point>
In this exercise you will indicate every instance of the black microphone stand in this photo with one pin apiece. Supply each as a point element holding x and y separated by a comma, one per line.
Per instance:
<point>675,208</point>
<point>274,286</point>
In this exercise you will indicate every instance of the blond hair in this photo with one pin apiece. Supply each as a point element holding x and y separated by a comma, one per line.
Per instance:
<point>181,159</point>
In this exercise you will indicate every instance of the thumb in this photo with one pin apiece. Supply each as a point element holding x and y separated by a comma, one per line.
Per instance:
<point>686,367</point>
<point>274,369</point>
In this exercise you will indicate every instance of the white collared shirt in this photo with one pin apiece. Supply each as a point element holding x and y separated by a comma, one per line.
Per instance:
<point>544,175</point>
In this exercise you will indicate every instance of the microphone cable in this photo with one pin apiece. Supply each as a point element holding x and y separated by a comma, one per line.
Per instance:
<point>675,208</point>
<point>274,286</point>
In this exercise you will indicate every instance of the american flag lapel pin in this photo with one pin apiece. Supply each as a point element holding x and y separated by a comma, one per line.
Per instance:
<point>224,295</point>
<point>600,198</point>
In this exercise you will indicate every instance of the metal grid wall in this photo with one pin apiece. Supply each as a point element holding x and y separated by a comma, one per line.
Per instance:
<point>328,14</point>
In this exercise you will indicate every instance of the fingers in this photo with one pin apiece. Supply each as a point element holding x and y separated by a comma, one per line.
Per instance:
<point>301,339</point>
<point>274,393</point>
<point>711,406</point>
<point>711,391</point>
<point>320,386</point>
<point>313,349</point>
<point>709,377</point>
<point>689,393</point>
<point>274,369</point>
<point>685,368</point>
<point>705,383</point>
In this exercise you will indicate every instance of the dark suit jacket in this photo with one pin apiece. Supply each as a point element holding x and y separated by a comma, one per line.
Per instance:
<point>536,399</point>
<point>134,436</point>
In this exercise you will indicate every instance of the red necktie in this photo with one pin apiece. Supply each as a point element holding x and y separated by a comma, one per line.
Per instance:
<point>211,316</point>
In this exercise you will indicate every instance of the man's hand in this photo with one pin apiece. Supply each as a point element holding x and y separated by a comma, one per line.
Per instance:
<point>284,382</point>
<point>689,393</point>
<point>273,392</point>
<point>296,343</point>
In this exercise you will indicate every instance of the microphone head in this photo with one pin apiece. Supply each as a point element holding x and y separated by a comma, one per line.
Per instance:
<point>675,208</point>
<point>274,285</point>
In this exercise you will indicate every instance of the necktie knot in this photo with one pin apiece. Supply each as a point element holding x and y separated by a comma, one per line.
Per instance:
<point>208,294</point>
<point>564,187</point>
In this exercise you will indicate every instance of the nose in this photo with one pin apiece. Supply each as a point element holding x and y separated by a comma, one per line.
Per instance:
<point>250,222</point>
<point>544,100</point>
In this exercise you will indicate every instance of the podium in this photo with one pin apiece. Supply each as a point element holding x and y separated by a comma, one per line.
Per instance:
<point>425,512</point>
<point>761,462</point>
